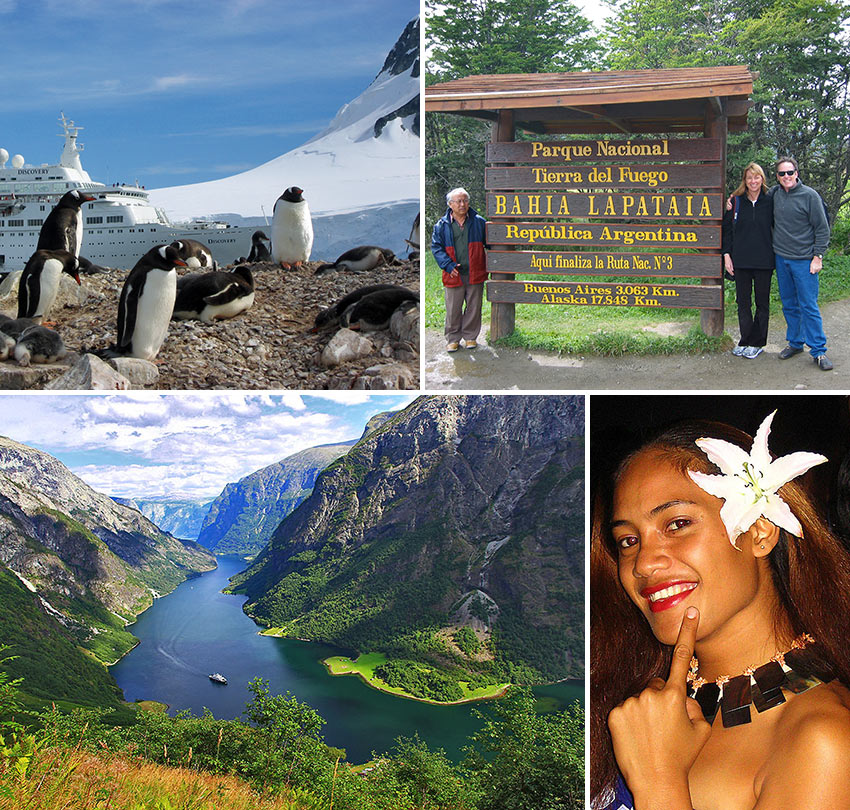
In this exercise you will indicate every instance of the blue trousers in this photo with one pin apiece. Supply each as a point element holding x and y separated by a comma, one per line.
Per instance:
<point>798,289</point>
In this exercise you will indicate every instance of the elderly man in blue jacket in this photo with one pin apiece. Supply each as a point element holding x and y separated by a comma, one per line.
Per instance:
<point>458,246</point>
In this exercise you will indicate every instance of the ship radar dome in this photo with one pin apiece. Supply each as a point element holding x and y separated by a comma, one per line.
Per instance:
<point>4,156</point>
<point>18,161</point>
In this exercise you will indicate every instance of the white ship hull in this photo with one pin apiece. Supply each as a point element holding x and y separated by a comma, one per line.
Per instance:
<point>119,226</point>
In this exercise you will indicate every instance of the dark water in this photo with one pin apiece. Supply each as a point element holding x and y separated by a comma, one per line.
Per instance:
<point>197,630</point>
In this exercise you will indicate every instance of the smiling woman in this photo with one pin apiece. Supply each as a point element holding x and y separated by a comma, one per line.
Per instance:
<point>745,611</point>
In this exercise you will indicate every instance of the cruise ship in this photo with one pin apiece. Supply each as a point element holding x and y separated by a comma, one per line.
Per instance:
<point>120,225</point>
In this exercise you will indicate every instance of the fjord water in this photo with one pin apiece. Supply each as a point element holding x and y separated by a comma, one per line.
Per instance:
<point>197,630</point>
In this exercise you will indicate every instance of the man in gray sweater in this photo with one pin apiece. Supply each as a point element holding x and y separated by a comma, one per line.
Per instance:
<point>800,238</point>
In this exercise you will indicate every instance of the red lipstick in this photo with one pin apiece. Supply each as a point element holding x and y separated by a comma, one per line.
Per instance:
<point>667,594</point>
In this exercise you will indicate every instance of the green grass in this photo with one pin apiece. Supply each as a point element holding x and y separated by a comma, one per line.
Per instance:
<point>624,330</point>
<point>365,665</point>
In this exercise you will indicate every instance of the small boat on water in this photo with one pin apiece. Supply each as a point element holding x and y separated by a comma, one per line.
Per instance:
<point>217,677</point>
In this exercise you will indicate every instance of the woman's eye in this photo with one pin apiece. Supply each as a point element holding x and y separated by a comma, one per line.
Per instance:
<point>626,542</point>
<point>679,523</point>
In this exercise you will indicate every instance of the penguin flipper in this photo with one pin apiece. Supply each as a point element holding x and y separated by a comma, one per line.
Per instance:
<point>69,235</point>
<point>127,310</point>
<point>27,294</point>
<point>225,296</point>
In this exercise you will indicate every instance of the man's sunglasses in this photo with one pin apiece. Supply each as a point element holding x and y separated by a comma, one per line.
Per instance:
<point>782,174</point>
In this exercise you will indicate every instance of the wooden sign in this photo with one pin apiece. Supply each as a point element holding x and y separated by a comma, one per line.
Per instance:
<point>618,206</point>
<point>609,151</point>
<point>677,175</point>
<point>680,265</point>
<point>612,236</point>
<point>599,294</point>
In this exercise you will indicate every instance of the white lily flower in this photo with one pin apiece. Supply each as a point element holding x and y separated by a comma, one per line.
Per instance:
<point>750,481</point>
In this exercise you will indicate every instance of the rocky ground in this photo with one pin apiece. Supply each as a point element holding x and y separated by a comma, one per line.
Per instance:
<point>269,347</point>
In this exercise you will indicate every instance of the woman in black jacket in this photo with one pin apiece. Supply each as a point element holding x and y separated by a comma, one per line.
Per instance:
<point>748,257</point>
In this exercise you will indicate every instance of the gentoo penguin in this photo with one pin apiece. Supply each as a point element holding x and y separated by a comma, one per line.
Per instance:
<point>90,268</point>
<point>38,344</point>
<point>195,254</point>
<point>360,259</point>
<point>413,240</point>
<point>259,252</point>
<point>63,228</point>
<point>215,296</point>
<point>330,316</point>
<point>373,311</point>
<point>40,281</point>
<point>146,304</point>
<point>292,229</point>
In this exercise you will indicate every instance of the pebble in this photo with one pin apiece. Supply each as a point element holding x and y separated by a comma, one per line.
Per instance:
<point>271,346</point>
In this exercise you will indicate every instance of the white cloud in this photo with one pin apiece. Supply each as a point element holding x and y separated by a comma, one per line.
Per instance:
<point>170,82</point>
<point>183,445</point>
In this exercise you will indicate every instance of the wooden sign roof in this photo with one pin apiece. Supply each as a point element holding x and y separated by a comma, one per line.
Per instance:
<point>631,101</point>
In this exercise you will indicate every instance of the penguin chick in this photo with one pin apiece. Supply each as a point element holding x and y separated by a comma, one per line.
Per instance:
<point>259,251</point>
<point>359,259</point>
<point>7,343</point>
<point>14,327</point>
<point>215,296</point>
<point>89,268</point>
<point>146,304</point>
<point>63,228</point>
<point>373,311</point>
<point>330,317</point>
<point>292,229</point>
<point>195,254</point>
<point>38,344</point>
<point>40,281</point>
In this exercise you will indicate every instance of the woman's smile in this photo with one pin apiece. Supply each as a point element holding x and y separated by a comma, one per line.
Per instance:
<point>666,595</point>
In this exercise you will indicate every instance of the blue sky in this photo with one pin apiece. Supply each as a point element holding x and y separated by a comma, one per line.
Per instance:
<point>182,446</point>
<point>181,91</point>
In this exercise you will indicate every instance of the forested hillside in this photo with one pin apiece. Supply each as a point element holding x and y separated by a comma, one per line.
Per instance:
<point>458,512</point>
<point>75,569</point>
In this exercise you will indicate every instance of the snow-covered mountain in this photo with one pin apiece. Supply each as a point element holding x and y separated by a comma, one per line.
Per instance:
<point>366,160</point>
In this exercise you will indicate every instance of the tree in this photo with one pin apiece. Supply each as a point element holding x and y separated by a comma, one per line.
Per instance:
<point>486,37</point>
<point>524,760</point>
<point>506,36</point>
<point>800,50</point>
<point>289,749</point>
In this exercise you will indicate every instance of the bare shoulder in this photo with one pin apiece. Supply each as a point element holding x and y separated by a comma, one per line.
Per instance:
<point>811,747</point>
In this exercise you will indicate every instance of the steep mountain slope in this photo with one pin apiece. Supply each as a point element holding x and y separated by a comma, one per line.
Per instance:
<point>181,518</point>
<point>457,511</point>
<point>89,564</point>
<point>367,157</point>
<point>246,513</point>
<point>243,517</point>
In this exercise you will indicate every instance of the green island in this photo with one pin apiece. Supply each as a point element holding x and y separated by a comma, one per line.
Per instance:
<point>368,666</point>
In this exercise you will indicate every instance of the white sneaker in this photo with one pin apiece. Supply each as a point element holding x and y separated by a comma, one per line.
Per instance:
<point>751,352</point>
<point>738,351</point>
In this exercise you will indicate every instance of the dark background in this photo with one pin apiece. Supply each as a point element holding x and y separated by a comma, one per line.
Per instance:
<point>815,423</point>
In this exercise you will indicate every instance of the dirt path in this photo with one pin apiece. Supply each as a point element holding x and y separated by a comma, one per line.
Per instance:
<point>489,367</point>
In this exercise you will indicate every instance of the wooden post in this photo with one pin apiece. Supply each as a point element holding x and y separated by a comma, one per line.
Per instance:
<point>502,316</point>
<point>716,126</point>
